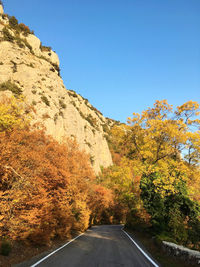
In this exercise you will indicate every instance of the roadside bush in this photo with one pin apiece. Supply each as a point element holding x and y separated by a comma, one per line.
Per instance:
<point>163,237</point>
<point>5,248</point>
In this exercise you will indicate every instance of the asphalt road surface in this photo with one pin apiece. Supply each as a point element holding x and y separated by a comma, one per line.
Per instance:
<point>100,246</point>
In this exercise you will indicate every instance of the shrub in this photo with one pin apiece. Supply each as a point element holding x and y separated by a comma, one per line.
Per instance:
<point>73,103</point>
<point>7,36</point>
<point>50,88</point>
<point>10,87</point>
<point>45,100</point>
<point>45,48</point>
<point>105,128</point>
<point>96,110</point>
<point>52,69</point>
<point>81,114</point>
<point>92,121</point>
<point>62,104</point>
<point>55,117</point>
<point>92,159</point>
<point>61,113</point>
<point>56,67</point>
<point>19,42</point>
<point>164,237</point>
<point>25,29</point>
<point>28,45</point>
<point>4,16</point>
<point>72,93</point>
<point>14,67</point>
<point>13,22</point>
<point>5,248</point>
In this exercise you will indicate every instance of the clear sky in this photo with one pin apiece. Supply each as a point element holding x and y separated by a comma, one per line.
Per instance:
<point>121,54</point>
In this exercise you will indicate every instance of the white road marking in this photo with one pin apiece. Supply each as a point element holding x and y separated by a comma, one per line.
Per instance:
<point>53,252</point>
<point>38,262</point>
<point>156,265</point>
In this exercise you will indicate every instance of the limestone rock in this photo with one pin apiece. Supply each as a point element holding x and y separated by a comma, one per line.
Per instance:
<point>1,9</point>
<point>1,27</point>
<point>4,19</point>
<point>52,57</point>
<point>64,113</point>
<point>35,44</point>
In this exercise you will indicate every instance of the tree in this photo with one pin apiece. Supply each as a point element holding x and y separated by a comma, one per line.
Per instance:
<point>162,147</point>
<point>101,204</point>
<point>14,113</point>
<point>44,186</point>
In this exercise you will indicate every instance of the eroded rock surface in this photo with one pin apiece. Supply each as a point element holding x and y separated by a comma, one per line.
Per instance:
<point>61,111</point>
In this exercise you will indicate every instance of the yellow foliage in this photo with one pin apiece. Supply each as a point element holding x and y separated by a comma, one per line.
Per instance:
<point>12,114</point>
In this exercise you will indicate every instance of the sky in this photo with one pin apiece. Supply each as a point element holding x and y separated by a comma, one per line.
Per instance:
<point>122,55</point>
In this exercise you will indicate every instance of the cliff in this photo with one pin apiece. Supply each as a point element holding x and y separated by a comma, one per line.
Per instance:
<point>28,68</point>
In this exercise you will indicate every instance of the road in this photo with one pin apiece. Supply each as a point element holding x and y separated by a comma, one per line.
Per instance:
<point>100,246</point>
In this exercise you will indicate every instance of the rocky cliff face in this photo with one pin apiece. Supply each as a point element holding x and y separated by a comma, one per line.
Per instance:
<point>1,9</point>
<point>28,68</point>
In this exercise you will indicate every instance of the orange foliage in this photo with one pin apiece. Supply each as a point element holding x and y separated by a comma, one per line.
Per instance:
<point>101,201</point>
<point>44,186</point>
<point>116,157</point>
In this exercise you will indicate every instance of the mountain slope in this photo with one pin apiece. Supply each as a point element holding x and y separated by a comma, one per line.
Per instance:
<point>33,70</point>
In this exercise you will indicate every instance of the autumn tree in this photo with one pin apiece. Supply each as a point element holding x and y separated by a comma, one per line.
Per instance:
<point>14,113</point>
<point>101,204</point>
<point>44,185</point>
<point>162,147</point>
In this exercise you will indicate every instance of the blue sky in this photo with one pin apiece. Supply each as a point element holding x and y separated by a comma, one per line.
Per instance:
<point>121,54</point>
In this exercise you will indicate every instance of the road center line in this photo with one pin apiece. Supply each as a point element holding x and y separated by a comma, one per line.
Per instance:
<point>38,262</point>
<point>156,265</point>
